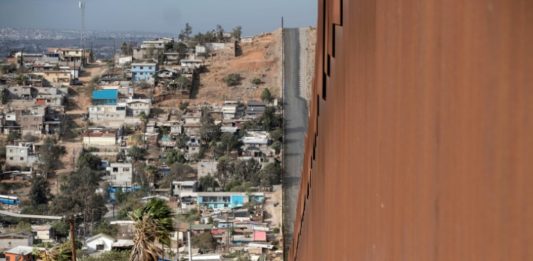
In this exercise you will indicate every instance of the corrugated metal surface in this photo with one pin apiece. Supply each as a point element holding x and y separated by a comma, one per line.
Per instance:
<point>420,142</point>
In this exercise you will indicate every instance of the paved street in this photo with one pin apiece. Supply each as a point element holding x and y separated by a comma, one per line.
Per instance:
<point>295,116</point>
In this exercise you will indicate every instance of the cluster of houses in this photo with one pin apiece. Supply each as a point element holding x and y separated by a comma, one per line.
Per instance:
<point>30,113</point>
<point>163,132</point>
<point>121,116</point>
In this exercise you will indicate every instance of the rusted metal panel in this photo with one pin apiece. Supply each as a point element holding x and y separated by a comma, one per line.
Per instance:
<point>424,148</point>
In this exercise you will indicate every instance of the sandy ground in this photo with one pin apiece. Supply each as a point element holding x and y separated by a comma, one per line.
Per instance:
<point>78,104</point>
<point>260,59</point>
<point>273,207</point>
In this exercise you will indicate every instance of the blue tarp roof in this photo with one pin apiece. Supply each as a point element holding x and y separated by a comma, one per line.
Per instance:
<point>105,94</point>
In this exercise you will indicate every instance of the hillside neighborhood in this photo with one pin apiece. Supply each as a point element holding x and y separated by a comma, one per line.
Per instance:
<point>187,127</point>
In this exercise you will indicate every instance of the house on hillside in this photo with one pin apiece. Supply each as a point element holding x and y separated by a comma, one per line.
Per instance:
<point>105,97</point>
<point>232,110</point>
<point>143,72</point>
<point>255,109</point>
<point>221,200</point>
<point>121,174</point>
<point>10,240</point>
<point>99,243</point>
<point>23,155</point>
<point>44,233</point>
<point>180,188</point>
<point>19,253</point>
<point>136,107</point>
<point>100,137</point>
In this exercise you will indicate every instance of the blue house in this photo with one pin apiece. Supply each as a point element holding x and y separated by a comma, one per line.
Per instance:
<point>9,200</point>
<point>105,97</point>
<point>143,72</point>
<point>112,190</point>
<point>221,200</point>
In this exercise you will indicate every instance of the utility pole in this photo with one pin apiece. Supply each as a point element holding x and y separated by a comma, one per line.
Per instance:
<point>189,243</point>
<point>72,233</point>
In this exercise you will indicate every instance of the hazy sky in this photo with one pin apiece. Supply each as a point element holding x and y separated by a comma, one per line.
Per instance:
<point>158,15</point>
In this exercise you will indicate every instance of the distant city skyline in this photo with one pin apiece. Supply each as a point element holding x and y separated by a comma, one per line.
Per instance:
<point>160,16</point>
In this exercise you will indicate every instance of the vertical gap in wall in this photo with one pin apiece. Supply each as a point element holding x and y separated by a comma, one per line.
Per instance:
<point>324,86</point>
<point>332,45</point>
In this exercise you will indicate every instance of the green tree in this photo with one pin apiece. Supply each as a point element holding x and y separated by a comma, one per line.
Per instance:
<point>183,106</point>
<point>62,252</point>
<point>143,117</point>
<point>266,96</point>
<point>256,81</point>
<point>153,225</point>
<point>232,79</point>
<point>183,83</point>
<point>204,241</point>
<point>229,142</point>
<point>124,48</point>
<point>104,227</point>
<point>225,167</point>
<point>5,96</point>
<point>207,183</point>
<point>39,191</point>
<point>219,33</point>
<point>88,160</point>
<point>237,32</point>
<point>209,131</point>
<point>137,153</point>
<point>277,146</point>
<point>270,175</point>
<point>181,48</point>
<point>49,155</point>
<point>178,171</point>
<point>173,156</point>
<point>186,33</point>
<point>78,195</point>
<point>13,135</point>
<point>270,120</point>
<point>246,170</point>
<point>152,173</point>
<point>276,134</point>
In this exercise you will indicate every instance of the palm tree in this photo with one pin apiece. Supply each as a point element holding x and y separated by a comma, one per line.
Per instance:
<point>61,252</point>
<point>154,223</point>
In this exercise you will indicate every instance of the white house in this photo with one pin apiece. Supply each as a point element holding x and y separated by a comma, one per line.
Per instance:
<point>180,188</point>
<point>100,137</point>
<point>124,60</point>
<point>42,232</point>
<point>137,106</point>
<point>100,242</point>
<point>21,155</point>
<point>108,114</point>
<point>121,174</point>
<point>256,138</point>
<point>232,110</point>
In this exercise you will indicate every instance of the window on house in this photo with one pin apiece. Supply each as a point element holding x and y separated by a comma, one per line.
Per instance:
<point>142,67</point>
<point>115,169</point>
<point>100,247</point>
<point>10,158</point>
<point>21,158</point>
<point>126,169</point>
